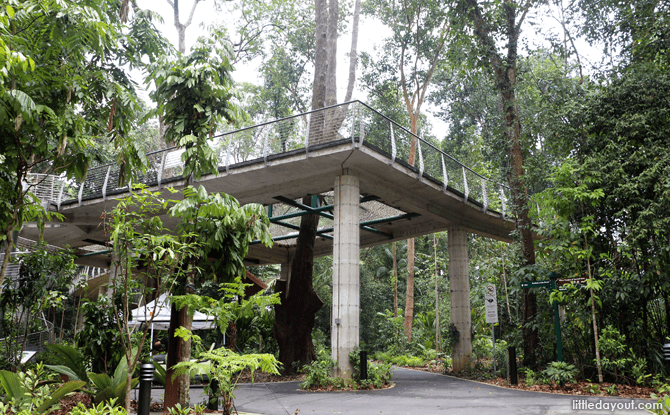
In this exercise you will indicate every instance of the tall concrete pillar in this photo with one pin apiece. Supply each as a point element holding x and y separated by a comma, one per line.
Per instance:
<point>459,269</point>
<point>344,333</point>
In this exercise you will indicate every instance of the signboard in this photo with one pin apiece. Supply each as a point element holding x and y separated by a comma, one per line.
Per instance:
<point>491,304</point>
<point>535,284</point>
<point>574,280</point>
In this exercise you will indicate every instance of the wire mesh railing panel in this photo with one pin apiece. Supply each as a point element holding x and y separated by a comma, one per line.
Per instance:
<point>377,131</point>
<point>95,179</point>
<point>173,167</point>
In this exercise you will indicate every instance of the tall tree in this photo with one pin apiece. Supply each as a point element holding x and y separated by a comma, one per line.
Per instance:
<point>63,88</point>
<point>194,95</point>
<point>419,32</point>
<point>294,317</point>
<point>488,25</point>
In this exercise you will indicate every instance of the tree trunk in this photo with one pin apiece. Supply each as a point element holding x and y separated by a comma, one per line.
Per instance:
<point>294,316</point>
<point>409,296</point>
<point>395,280</point>
<point>174,346</point>
<point>504,69</point>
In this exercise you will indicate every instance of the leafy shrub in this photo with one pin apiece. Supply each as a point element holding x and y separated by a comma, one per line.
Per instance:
<point>103,408</point>
<point>319,371</point>
<point>430,354</point>
<point>500,357</point>
<point>561,372</point>
<point>530,377</point>
<point>400,360</point>
<point>447,363</point>
<point>482,347</point>
<point>29,393</point>
<point>591,388</point>
<point>226,366</point>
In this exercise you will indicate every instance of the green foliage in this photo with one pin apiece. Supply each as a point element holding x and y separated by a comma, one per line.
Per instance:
<point>400,360</point>
<point>319,372</point>
<point>98,340</point>
<point>612,390</point>
<point>72,362</point>
<point>530,377</point>
<point>561,372</point>
<point>26,391</point>
<point>112,388</point>
<point>591,388</point>
<point>194,94</point>
<point>392,332</point>
<point>227,309</point>
<point>226,367</point>
<point>64,86</point>
<point>160,374</point>
<point>42,284</point>
<point>103,408</point>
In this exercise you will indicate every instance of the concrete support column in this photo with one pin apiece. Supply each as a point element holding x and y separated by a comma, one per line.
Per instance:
<point>344,333</point>
<point>459,269</point>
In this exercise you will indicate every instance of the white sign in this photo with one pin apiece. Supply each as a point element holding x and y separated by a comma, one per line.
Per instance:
<point>491,304</point>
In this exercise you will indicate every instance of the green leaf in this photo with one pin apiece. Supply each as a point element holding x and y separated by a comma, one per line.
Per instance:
<point>10,382</point>
<point>60,393</point>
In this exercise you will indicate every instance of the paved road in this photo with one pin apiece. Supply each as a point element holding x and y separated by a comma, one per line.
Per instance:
<point>415,393</point>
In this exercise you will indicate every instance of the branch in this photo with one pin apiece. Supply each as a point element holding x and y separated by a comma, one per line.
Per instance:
<point>353,54</point>
<point>526,7</point>
<point>190,17</point>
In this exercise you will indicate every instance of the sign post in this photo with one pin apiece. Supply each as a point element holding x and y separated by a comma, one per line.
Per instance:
<point>554,283</point>
<point>491,307</point>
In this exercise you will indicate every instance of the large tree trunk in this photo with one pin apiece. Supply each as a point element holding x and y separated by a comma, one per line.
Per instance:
<point>174,348</point>
<point>504,69</point>
<point>506,82</point>
<point>409,295</point>
<point>294,316</point>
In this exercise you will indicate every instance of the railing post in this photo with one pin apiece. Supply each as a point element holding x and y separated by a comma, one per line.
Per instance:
<point>445,178</point>
<point>466,189</point>
<point>418,145</point>
<point>484,196</point>
<point>104,186</point>
<point>265,147</point>
<point>393,147</point>
<point>309,123</point>
<point>502,201</point>
<point>60,194</point>
<point>230,144</point>
<point>81,191</point>
<point>161,168</point>
<point>361,127</point>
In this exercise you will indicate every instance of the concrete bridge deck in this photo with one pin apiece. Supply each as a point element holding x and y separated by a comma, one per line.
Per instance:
<point>398,201</point>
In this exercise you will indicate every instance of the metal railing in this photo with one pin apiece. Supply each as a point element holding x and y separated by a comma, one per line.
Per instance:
<point>353,122</point>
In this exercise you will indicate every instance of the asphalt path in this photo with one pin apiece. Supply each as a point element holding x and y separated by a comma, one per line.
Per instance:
<point>419,393</point>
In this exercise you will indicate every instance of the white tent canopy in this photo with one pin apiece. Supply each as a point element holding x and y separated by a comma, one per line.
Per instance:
<point>161,319</point>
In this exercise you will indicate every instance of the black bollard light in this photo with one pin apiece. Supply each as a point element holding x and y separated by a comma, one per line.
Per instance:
<point>144,399</point>
<point>364,365</point>
<point>511,355</point>
<point>213,402</point>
